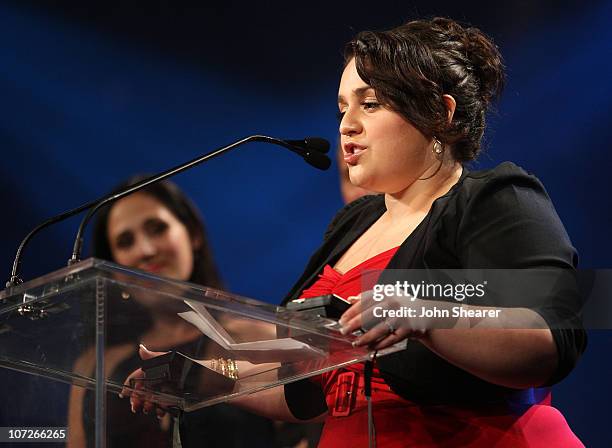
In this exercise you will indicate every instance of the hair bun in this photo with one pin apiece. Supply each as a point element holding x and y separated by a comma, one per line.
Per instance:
<point>483,54</point>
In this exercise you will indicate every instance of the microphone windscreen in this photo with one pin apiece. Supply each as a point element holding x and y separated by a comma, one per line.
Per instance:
<point>318,160</point>
<point>318,144</point>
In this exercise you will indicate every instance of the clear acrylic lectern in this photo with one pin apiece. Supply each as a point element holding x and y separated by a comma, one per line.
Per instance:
<point>73,324</point>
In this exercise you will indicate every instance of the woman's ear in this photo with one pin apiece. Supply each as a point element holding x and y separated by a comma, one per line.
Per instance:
<point>451,105</point>
<point>196,242</point>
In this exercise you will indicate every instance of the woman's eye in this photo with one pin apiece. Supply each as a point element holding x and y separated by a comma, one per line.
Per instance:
<point>156,227</point>
<point>370,105</point>
<point>124,241</point>
<point>366,105</point>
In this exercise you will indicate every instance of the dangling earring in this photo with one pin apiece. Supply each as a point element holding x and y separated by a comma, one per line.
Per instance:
<point>438,150</point>
<point>438,147</point>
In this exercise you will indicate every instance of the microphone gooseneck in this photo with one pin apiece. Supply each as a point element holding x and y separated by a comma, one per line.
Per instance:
<point>311,149</point>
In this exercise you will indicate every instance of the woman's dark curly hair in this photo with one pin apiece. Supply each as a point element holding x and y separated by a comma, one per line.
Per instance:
<point>412,66</point>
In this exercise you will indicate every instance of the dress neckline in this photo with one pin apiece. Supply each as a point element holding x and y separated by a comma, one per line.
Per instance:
<point>370,260</point>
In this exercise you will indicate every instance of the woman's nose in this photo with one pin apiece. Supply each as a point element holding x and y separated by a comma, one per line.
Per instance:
<point>147,247</point>
<point>349,125</point>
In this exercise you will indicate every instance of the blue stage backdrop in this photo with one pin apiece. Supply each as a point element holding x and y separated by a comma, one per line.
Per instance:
<point>93,92</point>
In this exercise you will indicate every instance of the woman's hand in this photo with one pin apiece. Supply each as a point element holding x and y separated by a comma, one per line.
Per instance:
<point>134,385</point>
<point>389,321</point>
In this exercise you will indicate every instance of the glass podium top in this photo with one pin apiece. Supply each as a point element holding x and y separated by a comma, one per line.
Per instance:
<point>210,346</point>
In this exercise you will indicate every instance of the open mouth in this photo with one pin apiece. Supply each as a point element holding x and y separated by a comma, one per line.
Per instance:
<point>352,152</point>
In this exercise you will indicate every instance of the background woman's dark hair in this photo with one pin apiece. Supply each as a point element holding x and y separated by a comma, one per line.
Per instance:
<point>412,66</point>
<point>130,319</point>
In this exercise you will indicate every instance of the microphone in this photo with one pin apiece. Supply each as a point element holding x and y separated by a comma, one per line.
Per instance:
<point>307,148</point>
<point>317,143</point>
<point>311,149</point>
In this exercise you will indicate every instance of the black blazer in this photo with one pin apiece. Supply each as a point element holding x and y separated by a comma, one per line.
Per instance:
<point>492,219</point>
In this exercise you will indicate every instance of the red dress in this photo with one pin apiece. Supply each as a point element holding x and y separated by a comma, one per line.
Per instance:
<point>401,423</point>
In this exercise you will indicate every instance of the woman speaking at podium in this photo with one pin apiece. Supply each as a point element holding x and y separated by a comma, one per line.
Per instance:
<point>412,104</point>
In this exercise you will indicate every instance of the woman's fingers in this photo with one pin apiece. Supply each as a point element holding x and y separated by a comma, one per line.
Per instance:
<point>134,386</point>
<point>380,331</point>
<point>353,311</point>
<point>129,382</point>
<point>137,396</point>
<point>145,353</point>
<point>353,299</point>
<point>148,406</point>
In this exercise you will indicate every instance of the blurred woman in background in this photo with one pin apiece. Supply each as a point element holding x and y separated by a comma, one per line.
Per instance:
<point>157,230</point>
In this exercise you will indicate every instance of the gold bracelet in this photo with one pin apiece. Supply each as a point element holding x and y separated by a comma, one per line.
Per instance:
<point>232,369</point>
<point>226,367</point>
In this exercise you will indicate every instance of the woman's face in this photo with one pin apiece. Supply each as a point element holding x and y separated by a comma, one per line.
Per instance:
<point>384,152</point>
<point>144,234</point>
